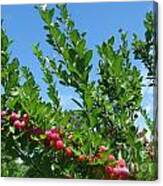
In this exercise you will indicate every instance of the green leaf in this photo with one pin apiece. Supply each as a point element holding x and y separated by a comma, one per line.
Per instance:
<point>76,152</point>
<point>62,39</point>
<point>53,95</point>
<point>70,24</point>
<point>64,12</point>
<point>54,34</point>
<point>4,41</point>
<point>80,46</point>
<point>42,136</point>
<point>47,15</point>
<point>87,57</point>
<point>116,65</point>
<point>37,52</point>
<point>65,54</point>
<point>11,102</point>
<point>111,41</point>
<point>75,37</point>
<point>14,64</point>
<point>89,101</point>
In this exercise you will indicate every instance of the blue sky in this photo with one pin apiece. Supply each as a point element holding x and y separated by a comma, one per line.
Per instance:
<point>99,20</point>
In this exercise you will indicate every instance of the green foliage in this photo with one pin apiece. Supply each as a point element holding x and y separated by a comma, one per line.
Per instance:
<point>107,109</point>
<point>146,50</point>
<point>45,64</point>
<point>74,66</point>
<point>120,87</point>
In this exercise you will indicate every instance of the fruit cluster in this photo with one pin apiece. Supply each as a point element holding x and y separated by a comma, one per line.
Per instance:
<point>115,169</point>
<point>19,122</point>
<point>55,140</point>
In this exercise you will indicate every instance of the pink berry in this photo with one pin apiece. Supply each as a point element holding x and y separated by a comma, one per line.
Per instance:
<point>25,117</point>
<point>124,173</point>
<point>48,134</point>
<point>69,152</point>
<point>59,145</point>
<point>14,116</point>
<point>116,171</point>
<point>17,124</point>
<point>102,148</point>
<point>54,136</point>
<point>111,157</point>
<point>109,170</point>
<point>23,124</point>
<point>121,163</point>
<point>54,130</point>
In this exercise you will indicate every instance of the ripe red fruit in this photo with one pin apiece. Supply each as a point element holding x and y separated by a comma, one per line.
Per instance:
<point>14,116</point>
<point>116,171</point>
<point>69,152</point>
<point>81,158</point>
<point>25,117</point>
<point>54,136</point>
<point>102,148</point>
<point>121,163</point>
<point>59,145</point>
<point>17,124</point>
<point>123,173</point>
<point>54,130</point>
<point>23,124</point>
<point>48,134</point>
<point>111,157</point>
<point>109,170</point>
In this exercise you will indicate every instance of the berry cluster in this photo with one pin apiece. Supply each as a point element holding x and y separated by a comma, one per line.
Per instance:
<point>117,169</point>
<point>55,140</point>
<point>19,122</point>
